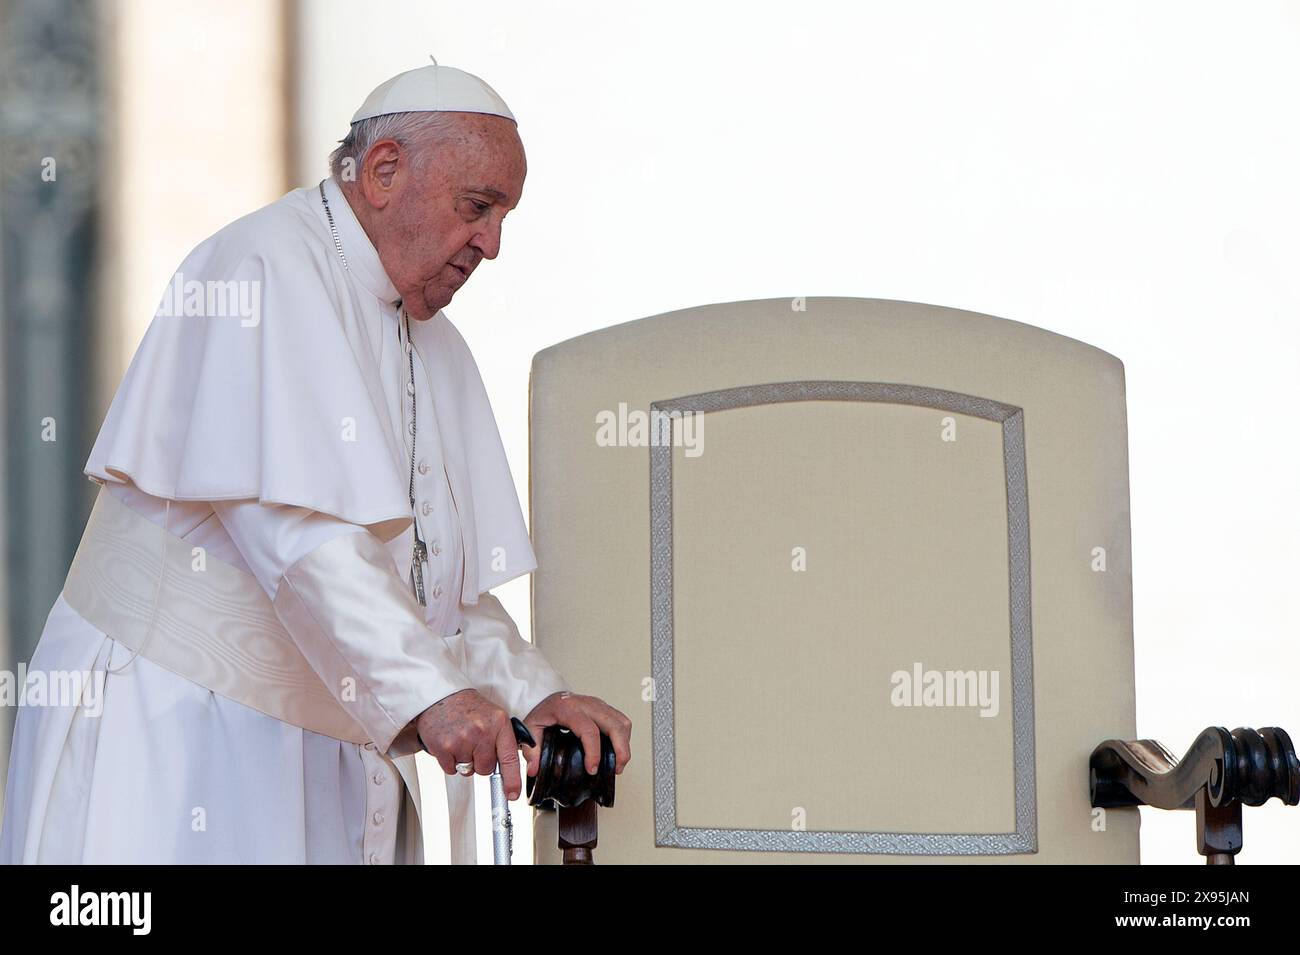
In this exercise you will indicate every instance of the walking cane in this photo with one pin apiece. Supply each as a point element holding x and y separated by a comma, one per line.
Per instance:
<point>502,828</point>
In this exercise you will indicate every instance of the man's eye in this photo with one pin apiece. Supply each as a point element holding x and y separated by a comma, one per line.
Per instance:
<point>474,207</point>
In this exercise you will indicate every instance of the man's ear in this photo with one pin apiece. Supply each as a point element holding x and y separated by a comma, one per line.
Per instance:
<point>379,172</point>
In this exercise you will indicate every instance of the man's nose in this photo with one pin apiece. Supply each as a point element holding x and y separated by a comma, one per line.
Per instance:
<point>488,241</point>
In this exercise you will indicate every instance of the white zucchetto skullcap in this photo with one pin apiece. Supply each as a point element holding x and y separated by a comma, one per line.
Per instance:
<point>433,89</point>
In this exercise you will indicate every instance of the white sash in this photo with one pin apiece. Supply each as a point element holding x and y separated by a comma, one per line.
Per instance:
<point>216,628</point>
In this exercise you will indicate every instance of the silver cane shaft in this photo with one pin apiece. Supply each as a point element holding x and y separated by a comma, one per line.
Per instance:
<point>502,828</point>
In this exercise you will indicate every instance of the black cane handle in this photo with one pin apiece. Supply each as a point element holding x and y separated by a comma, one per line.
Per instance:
<point>522,734</point>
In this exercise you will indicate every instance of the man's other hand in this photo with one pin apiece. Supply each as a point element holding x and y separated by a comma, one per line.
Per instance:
<point>587,716</point>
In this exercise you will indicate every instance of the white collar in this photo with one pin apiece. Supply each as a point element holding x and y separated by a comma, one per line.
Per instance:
<point>362,257</point>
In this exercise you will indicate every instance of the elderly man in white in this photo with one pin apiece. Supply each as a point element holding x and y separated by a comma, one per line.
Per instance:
<point>283,591</point>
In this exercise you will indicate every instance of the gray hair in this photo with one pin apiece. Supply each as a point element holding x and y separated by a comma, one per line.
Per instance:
<point>414,131</point>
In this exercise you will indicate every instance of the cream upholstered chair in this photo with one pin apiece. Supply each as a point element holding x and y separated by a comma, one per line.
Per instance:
<point>858,570</point>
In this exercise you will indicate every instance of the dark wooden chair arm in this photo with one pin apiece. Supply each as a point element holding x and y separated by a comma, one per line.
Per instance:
<point>1220,773</point>
<point>562,784</point>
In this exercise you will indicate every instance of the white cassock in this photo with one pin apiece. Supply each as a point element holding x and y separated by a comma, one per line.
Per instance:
<point>280,445</point>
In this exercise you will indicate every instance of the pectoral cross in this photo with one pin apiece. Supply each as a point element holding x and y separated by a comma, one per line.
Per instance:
<point>419,554</point>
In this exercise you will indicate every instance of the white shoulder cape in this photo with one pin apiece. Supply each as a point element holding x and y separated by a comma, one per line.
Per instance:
<point>284,403</point>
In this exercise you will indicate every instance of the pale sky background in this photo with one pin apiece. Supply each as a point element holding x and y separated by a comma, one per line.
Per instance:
<point>1120,173</point>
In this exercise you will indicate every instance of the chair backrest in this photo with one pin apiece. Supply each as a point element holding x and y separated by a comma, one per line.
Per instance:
<point>858,570</point>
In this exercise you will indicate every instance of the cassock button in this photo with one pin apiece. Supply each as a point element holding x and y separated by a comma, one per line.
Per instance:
<point>426,508</point>
<point>379,779</point>
<point>437,591</point>
<point>379,818</point>
<point>434,549</point>
<point>370,746</point>
<point>410,387</point>
<point>374,858</point>
<point>423,467</point>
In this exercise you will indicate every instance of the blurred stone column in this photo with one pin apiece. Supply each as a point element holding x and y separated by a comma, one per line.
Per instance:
<point>51,131</point>
<point>129,132</point>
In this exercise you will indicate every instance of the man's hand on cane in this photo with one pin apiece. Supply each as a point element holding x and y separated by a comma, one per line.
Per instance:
<point>468,733</point>
<point>588,717</point>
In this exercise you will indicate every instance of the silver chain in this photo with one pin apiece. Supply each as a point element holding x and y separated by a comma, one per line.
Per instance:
<point>410,360</point>
<point>333,231</point>
<point>419,552</point>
